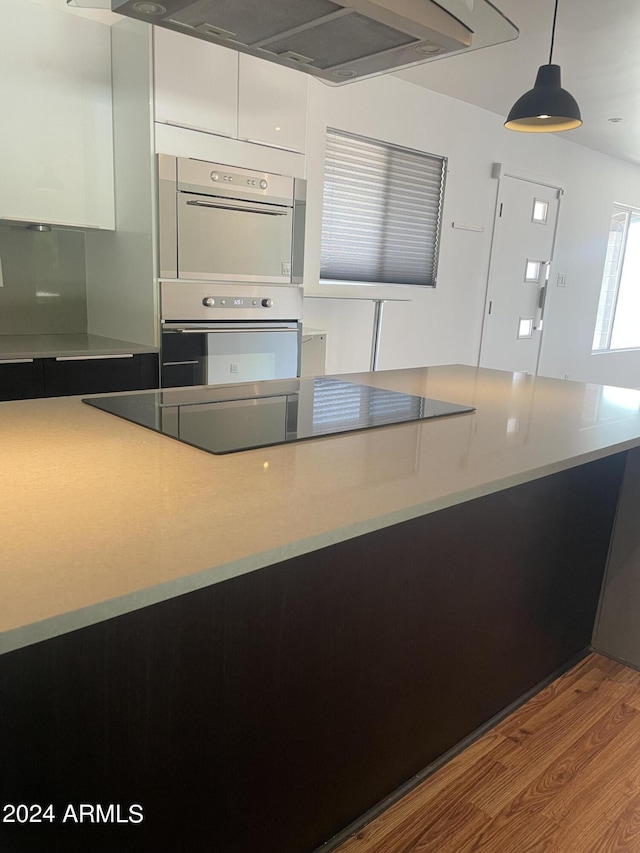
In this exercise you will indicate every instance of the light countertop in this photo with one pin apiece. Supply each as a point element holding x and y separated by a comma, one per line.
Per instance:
<point>64,346</point>
<point>100,516</point>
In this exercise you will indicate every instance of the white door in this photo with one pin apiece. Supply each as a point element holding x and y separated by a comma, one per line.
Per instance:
<point>521,253</point>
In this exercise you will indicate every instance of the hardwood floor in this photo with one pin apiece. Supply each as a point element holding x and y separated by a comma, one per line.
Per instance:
<point>562,773</point>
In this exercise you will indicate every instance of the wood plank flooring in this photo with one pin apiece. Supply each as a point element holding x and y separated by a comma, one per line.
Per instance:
<point>562,773</point>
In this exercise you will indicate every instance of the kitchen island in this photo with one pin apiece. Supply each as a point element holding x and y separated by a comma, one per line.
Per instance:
<point>258,648</point>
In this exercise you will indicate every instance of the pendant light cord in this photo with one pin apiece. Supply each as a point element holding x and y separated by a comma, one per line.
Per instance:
<point>553,31</point>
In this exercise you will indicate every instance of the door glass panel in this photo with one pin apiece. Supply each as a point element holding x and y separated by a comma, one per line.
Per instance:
<point>540,211</point>
<point>525,327</point>
<point>532,271</point>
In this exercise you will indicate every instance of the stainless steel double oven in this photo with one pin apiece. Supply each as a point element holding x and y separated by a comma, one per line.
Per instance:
<point>231,256</point>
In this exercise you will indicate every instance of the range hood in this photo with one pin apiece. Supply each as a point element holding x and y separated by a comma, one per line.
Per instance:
<point>338,41</point>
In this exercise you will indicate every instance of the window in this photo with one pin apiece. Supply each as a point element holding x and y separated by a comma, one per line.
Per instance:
<point>382,212</point>
<point>618,319</point>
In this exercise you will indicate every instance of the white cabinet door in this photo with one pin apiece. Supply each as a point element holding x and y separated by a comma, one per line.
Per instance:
<point>196,83</point>
<point>56,146</point>
<point>272,104</point>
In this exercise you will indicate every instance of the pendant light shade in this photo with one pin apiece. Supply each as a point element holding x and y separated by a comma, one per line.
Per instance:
<point>547,108</point>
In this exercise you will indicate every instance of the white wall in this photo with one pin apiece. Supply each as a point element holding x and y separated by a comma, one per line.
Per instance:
<point>444,324</point>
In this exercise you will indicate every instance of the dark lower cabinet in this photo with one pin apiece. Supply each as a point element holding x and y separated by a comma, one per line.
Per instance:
<point>184,360</point>
<point>60,377</point>
<point>21,379</point>
<point>96,375</point>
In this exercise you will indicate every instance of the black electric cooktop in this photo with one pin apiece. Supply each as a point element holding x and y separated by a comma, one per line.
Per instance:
<point>227,418</point>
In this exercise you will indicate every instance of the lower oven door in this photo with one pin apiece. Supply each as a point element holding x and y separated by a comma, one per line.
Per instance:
<point>220,353</point>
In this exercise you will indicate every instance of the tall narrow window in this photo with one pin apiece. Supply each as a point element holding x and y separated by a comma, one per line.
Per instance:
<point>382,212</point>
<point>618,318</point>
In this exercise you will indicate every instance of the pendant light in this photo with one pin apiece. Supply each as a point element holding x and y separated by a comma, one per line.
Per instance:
<point>547,108</point>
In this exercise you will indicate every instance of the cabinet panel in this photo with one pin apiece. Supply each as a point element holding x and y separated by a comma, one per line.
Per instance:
<point>21,380</point>
<point>314,355</point>
<point>196,83</point>
<point>56,144</point>
<point>272,104</point>
<point>617,632</point>
<point>98,375</point>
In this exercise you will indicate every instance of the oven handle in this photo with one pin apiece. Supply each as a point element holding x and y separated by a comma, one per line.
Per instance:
<point>237,206</point>
<point>197,331</point>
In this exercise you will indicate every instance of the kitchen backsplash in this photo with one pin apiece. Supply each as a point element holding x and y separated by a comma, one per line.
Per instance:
<point>43,288</point>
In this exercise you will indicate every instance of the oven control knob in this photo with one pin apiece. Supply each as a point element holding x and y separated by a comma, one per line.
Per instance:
<point>267,303</point>
<point>208,302</point>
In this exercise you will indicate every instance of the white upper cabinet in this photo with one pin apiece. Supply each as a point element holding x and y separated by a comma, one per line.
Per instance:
<point>56,147</point>
<point>272,104</point>
<point>196,83</point>
<point>203,86</point>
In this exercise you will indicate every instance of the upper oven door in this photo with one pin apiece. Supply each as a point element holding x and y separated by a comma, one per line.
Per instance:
<point>223,239</point>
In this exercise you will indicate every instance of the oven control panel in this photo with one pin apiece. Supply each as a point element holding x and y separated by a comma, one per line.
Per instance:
<point>236,302</point>
<point>211,302</point>
<point>239,178</point>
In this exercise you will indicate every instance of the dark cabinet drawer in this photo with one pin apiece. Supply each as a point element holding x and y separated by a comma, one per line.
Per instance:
<point>177,374</point>
<point>21,379</point>
<point>100,374</point>
<point>183,359</point>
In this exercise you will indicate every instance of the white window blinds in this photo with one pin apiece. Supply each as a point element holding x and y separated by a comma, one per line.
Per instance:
<point>382,211</point>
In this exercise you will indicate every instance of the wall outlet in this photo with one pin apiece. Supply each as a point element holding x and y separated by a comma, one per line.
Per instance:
<point>234,367</point>
<point>562,280</point>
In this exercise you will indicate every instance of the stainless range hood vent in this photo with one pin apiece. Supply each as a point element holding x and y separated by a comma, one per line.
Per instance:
<point>329,39</point>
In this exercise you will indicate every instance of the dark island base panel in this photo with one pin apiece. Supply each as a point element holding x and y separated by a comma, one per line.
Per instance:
<point>264,714</point>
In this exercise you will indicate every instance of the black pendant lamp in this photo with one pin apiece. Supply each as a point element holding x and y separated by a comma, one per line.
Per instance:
<point>547,108</point>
